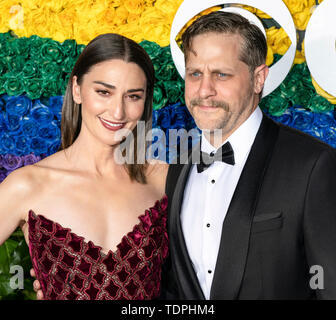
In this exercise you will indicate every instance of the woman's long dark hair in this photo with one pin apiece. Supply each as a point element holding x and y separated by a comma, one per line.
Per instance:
<point>102,48</point>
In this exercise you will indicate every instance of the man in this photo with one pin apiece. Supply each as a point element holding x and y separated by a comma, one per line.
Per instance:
<point>262,223</point>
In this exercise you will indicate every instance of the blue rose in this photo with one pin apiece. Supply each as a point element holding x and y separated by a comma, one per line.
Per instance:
<point>49,131</point>
<point>157,147</point>
<point>38,146</point>
<point>286,118</point>
<point>303,119</point>
<point>55,105</point>
<point>7,142</point>
<point>324,120</point>
<point>164,119</point>
<point>328,134</point>
<point>11,162</point>
<point>54,146</point>
<point>20,105</point>
<point>29,127</point>
<point>12,122</point>
<point>41,113</point>
<point>21,144</point>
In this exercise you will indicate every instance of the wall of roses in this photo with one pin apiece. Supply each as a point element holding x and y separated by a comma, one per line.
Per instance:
<point>39,44</point>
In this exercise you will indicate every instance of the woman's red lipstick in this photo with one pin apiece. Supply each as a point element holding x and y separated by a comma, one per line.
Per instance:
<point>113,126</point>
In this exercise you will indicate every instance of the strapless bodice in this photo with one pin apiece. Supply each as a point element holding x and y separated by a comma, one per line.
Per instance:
<point>70,268</point>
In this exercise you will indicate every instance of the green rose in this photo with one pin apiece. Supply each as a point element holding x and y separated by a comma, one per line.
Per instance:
<point>52,51</point>
<point>80,49</point>
<point>320,104</point>
<point>20,47</point>
<point>51,87</point>
<point>30,70</point>
<point>174,90</point>
<point>159,98</point>
<point>2,85</point>
<point>33,88</point>
<point>69,48</point>
<point>35,44</point>
<point>165,55</point>
<point>276,104</point>
<point>152,48</point>
<point>68,64</point>
<point>50,70</point>
<point>13,84</point>
<point>167,72</point>
<point>15,63</point>
<point>2,67</point>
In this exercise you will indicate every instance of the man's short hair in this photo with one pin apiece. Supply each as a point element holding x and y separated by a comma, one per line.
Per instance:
<point>253,49</point>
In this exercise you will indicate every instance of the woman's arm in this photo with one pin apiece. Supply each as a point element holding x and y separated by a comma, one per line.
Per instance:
<point>14,192</point>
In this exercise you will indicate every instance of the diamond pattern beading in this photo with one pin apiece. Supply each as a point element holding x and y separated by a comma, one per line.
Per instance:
<point>70,268</point>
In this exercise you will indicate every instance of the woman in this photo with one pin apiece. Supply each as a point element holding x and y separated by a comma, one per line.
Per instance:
<point>95,227</point>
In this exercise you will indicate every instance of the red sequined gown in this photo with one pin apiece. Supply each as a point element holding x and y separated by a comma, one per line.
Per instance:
<point>69,268</point>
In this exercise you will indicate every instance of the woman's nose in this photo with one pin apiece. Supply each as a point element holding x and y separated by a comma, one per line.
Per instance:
<point>117,109</point>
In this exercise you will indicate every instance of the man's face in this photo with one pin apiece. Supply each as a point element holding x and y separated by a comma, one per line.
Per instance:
<point>220,91</point>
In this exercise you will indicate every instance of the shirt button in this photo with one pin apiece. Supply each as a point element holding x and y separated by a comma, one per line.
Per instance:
<point>208,225</point>
<point>213,181</point>
<point>212,154</point>
<point>209,271</point>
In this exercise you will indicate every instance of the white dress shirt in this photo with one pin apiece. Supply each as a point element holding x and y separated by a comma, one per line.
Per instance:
<point>207,197</point>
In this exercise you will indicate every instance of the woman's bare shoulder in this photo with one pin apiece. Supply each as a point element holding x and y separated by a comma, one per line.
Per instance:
<point>31,176</point>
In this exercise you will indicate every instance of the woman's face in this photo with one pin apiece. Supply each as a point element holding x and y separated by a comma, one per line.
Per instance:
<point>112,95</point>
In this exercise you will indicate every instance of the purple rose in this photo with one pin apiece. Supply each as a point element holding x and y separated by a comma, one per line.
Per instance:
<point>30,159</point>
<point>11,162</point>
<point>3,175</point>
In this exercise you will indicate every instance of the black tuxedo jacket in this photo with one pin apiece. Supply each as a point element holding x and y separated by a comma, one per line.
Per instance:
<point>281,222</point>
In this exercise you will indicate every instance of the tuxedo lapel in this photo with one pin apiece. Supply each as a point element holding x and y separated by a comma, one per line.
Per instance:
<point>236,228</point>
<point>187,278</point>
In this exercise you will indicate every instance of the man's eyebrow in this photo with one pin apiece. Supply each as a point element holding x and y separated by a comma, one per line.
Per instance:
<point>113,87</point>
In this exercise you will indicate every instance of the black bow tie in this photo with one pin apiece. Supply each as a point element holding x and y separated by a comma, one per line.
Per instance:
<point>224,154</point>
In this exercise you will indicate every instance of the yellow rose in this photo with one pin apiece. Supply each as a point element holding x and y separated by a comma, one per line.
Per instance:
<point>168,7</point>
<point>257,12</point>
<point>296,6</point>
<point>121,14</point>
<point>131,31</point>
<point>203,13</point>
<point>270,56</point>
<point>299,57</point>
<point>301,18</point>
<point>155,26</point>
<point>6,15</point>
<point>278,40</point>
<point>109,15</point>
<point>134,6</point>
<point>323,93</point>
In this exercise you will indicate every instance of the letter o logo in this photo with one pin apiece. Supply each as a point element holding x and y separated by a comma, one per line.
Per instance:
<point>320,46</point>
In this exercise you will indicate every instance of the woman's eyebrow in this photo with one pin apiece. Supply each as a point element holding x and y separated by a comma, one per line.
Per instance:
<point>111,86</point>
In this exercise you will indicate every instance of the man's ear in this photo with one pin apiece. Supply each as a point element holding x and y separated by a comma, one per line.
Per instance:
<point>260,75</point>
<point>76,90</point>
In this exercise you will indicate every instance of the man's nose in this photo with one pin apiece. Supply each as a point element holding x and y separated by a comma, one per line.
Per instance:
<point>206,88</point>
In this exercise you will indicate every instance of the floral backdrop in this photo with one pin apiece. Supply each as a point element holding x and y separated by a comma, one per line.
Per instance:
<point>40,41</point>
